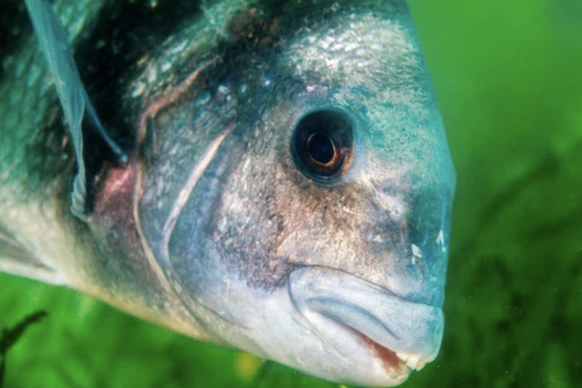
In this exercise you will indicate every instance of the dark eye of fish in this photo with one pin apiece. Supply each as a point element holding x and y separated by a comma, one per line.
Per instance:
<point>321,149</point>
<point>322,144</point>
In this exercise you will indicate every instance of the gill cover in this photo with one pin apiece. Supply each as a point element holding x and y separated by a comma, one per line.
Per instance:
<point>79,113</point>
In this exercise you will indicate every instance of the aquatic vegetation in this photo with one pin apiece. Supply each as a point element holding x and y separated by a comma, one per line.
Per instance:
<point>10,336</point>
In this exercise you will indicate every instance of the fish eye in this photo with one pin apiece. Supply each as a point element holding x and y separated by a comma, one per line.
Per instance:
<point>322,144</point>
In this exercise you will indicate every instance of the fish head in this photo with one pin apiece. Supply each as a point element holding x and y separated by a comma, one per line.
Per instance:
<point>295,188</point>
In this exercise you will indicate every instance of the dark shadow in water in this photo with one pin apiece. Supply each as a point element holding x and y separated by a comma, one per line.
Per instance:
<point>261,374</point>
<point>10,337</point>
<point>548,166</point>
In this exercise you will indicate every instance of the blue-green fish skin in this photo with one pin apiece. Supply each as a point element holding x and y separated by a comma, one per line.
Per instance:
<point>269,176</point>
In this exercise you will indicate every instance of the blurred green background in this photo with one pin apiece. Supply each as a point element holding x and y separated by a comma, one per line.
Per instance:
<point>508,78</point>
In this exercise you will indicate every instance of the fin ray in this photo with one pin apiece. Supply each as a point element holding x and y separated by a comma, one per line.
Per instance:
<point>74,99</point>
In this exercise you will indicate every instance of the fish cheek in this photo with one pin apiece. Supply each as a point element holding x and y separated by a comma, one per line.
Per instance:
<point>247,225</point>
<point>322,223</point>
<point>273,219</point>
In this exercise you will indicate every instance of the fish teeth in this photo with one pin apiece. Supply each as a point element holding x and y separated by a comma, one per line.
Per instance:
<point>402,356</point>
<point>413,362</point>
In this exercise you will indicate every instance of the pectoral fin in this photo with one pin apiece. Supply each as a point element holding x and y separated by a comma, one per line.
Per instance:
<point>79,113</point>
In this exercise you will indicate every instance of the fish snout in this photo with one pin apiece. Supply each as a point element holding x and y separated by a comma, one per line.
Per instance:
<point>411,238</point>
<point>428,235</point>
<point>352,315</point>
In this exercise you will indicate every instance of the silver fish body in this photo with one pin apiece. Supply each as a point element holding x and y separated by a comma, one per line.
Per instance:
<point>269,176</point>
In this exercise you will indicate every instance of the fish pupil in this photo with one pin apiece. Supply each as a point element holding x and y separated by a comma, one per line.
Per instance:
<point>322,142</point>
<point>320,148</point>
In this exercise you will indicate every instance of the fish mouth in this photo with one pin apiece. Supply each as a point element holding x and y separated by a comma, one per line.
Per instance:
<point>367,327</point>
<point>357,322</point>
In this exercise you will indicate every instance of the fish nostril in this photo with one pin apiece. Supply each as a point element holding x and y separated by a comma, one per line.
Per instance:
<point>388,202</point>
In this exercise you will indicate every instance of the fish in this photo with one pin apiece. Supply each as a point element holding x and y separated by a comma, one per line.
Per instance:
<point>269,176</point>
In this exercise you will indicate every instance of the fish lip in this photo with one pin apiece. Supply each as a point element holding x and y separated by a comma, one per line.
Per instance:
<point>393,364</point>
<point>312,293</point>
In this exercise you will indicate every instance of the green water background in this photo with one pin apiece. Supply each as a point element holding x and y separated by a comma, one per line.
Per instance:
<point>508,78</point>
